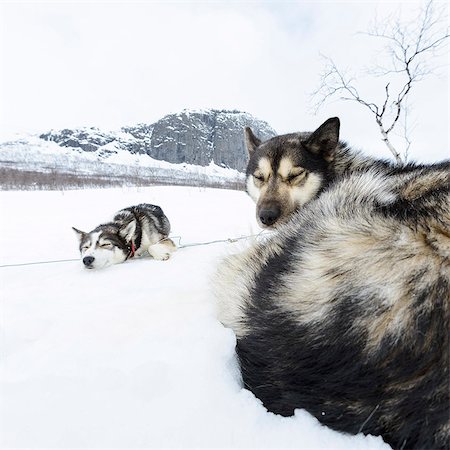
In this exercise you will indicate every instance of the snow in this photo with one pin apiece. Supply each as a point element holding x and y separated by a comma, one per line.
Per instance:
<point>131,356</point>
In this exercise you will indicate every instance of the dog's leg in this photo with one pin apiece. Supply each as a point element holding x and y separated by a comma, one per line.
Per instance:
<point>162,250</point>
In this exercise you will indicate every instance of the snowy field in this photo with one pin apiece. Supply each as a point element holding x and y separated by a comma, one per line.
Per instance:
<point>131,356</point>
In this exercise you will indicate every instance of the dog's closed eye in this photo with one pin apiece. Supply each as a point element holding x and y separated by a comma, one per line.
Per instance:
<point>106,245</point>
<point>296,176</point>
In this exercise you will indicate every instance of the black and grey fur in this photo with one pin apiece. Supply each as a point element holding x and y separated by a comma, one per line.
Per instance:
<point>133,232</point>
<point>345,310</point>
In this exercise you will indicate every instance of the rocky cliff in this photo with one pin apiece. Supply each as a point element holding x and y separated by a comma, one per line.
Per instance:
<point>191,137</point>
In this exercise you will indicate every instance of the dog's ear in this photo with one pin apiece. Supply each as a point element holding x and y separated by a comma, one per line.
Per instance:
<point>324,140</point>
<point>251,141</point>
<point>80,234</point>
<point>128,231</point>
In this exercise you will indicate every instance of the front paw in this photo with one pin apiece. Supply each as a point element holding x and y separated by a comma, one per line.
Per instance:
<point>163,257</point>
<point>159,255</point>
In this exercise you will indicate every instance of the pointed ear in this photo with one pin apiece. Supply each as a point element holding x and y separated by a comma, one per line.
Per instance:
<point>324,140</point>
<point>80,234</point>
<point>251,141</point>
<point>127,231</point>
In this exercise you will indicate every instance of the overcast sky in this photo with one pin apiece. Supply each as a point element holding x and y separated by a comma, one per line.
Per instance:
<point>109,64</point>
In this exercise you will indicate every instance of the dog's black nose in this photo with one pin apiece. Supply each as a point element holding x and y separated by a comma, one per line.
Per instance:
<point>269,216</point>
<point>88,260</point>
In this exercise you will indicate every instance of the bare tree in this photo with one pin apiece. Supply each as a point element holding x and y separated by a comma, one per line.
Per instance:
<point>409,47</point>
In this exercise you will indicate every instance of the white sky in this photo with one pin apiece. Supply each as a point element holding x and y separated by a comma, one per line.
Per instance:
<point>108,64</point>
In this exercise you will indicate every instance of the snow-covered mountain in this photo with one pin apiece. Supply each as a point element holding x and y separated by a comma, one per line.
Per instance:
<point>192,147</point>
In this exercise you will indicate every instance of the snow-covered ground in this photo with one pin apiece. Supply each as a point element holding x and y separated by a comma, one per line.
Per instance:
<point>131,356</point>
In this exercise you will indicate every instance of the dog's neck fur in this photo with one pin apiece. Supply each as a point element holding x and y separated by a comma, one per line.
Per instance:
<point>347,161</point>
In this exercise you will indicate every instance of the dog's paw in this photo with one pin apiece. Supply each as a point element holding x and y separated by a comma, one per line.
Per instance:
<point>163,257</point>
<point>159,252</point>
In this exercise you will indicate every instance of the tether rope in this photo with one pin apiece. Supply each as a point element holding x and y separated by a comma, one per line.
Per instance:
<point>195,244</point>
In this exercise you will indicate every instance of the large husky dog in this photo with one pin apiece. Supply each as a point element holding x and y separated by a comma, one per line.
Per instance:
<point>132,232</point>
<point>344,311</point>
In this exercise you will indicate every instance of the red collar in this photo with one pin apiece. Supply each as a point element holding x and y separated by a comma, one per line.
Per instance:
<point>132,250</point>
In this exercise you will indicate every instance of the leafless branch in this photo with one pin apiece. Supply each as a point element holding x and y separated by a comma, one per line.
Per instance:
<point>405,131</point>
<point>409,46</point>
<point>333,83</point>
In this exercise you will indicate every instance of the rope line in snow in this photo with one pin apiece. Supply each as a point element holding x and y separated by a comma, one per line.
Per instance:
<point>38,262</point>
<point>217,241</point>
<point>179,247</point>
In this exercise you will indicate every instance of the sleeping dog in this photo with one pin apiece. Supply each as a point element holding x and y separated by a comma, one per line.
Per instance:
<point>132,232</point>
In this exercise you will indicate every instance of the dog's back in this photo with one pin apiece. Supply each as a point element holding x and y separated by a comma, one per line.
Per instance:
<point>149,218</point>
<point>345,311</point>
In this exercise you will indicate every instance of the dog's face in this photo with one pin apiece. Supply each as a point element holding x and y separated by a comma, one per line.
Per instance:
<point>288,171</point>
<point>102,247</point>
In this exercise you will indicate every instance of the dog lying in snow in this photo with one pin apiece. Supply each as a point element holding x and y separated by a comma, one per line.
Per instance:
<point>345,310</point>
<point>132,232</point>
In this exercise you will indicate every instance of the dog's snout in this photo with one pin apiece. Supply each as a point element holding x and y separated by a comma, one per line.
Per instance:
<point>270,215</point>
<point>88,260</point>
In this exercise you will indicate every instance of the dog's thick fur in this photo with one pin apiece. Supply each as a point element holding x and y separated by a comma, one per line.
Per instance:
<point>133,232</point>
<point>344,311</point>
